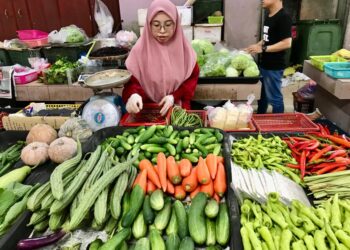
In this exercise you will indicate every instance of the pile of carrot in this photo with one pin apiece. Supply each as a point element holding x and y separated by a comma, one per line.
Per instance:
<point>181,178</point>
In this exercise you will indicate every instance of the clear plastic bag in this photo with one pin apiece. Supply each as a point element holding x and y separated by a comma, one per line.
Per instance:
<point>126,38</point>
<point>104,19</point>
<point>68,34</point>
<point>216,117</point>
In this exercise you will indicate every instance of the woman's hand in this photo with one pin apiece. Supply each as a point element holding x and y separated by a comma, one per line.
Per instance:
<point>134,104</point>
<point>167,102</point>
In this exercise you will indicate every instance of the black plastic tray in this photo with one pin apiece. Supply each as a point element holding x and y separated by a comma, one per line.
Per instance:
<point>229,80</point>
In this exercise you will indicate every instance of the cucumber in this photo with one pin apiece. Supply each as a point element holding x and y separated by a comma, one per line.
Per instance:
<point>131,139</point>
<point>192,138</point>
<point>211,237</point>
<point>168,131</point>
<point>201,148</point>
<point>185,142</point>
<point>173,242</point>
<point>179,147</point>
<point>116,240</point>
<point>95,244</point>
<point>139,228</point>
<point>184,133</point>
<point>190,157</point>
<point>148,213</point>
<point>212,209</point>
<point>157,200</point>
<point>219,136</point>
<point>209,141</point>
<point>171,149</point>
<point>162,218</point>
<point>181,218</point>
<point>125,145</point>
<point>196,219</point>
<point>222,225</point>
<point>216,247</point>
<point>157,242</point>
<point>123,246</point>
<point>217,150</point>
<point>187,244</point>
<point>136,201</point>
<point>147,134</point>
<point>142,244</point>
<point>172,227</point>
<point>145,146</point>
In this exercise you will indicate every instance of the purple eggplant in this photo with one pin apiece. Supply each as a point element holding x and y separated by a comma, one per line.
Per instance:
<point>35,243</point>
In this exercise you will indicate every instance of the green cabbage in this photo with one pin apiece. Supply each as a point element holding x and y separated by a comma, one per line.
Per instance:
<point>74,35</point>
<point>240,62</point>
<point>231,72</point>
<point>251,71</point>
<point>202,46</point>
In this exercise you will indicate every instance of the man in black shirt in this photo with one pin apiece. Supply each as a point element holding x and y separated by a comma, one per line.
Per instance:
<point>276,40</point>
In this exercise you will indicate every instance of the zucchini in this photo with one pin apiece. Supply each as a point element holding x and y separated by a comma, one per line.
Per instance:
<point>116,240</point>
<point>212,209</point>
<point>162,218</point>
<point>148,213</point>
<point>172,227</point>
<point>187,244</point>
<point>196,219</point>
<point>139,228</point>
<point>181,218</point>
<point>157,242</point>
<point>157,200</point>
<point>136,200</point>
<point>143,244</point>
<point>173,242</point>
<point>211,237</point>
<point>222,225</point>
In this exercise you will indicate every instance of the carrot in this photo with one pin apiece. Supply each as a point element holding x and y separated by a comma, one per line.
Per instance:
<point>173,171</point>
<point>180,192</point>
<point>203,174</point>
<point>156,169</point>
<point>161,163</point>
<point>170,187</point>
<point>151,173</point>
<point>220,159</point>
<point>190,183</point>
<point>150,187</point>
<point>195,192</point>
<point>216,197</point>
<point>185,167</point>
<point>212,165</point>
<point>208,189</point>
<point>143,180</point>
<point>220,185</point>
<point>136,181</point>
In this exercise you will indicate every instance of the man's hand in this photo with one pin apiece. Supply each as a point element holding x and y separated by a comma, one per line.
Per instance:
<point>254,49</point>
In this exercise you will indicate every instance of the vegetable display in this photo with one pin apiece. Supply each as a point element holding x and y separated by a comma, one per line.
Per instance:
<point>10,156</point>
<point>59,71</point>
<point>181,118</point>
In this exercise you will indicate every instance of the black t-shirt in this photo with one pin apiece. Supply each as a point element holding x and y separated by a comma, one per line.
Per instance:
<point>276,28</point>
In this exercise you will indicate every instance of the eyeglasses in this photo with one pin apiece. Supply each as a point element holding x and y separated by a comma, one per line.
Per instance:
<point>157,26</point>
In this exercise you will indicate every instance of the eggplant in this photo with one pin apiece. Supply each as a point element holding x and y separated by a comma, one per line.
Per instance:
<point>35,243</point>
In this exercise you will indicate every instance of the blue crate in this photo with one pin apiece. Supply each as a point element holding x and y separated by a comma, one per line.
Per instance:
<point>337,69</point>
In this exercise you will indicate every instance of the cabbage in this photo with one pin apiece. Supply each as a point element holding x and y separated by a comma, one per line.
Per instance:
<point>251,71</point>
<point>209,69</point>
<point>202,46</point>
<point>231,72</point>
<point>74,35</point>
<point>252,63</point>
<point>240,62</point>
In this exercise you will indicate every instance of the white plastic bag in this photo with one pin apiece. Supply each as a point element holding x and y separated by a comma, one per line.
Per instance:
<point>216,117</point>
<point>68,34</point>
<point>232,114</point>
<point>126,38</point>
<point>245,112</point>
<point>104,19</point>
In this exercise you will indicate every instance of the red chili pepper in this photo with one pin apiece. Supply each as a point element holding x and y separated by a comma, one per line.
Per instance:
<point>305,145</point>
<point>336,153</point>
<point>292,148</point>
<point>295,156</point>
<point>323,132</point>
<point>339,169</point>
<point>320,153</point>
<point>330,167</point>
<point>315,145</point>
<point>293,166</point>
<point>296,138</point>
<point>337,140</point>
<point>303,164</point>
<point>326,129</point>
<point>342,160</point>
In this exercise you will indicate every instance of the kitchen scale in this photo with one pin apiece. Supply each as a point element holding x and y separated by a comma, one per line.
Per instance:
<point>104,109</point>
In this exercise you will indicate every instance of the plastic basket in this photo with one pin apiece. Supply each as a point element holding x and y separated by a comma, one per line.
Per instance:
<point>297,122</point>
<point>21,56</point>
<point>338,70</point>
<point>148,116</point>
<point>26,78</point>
<point>215,19</point>
<point>71,53</point>
<point>201,113</point>
<point>54,106</point>
<point>302,105</point>
<point>36,42</point>
<point>31,34</point>
<point>319,61</point>
<point>250,128</point>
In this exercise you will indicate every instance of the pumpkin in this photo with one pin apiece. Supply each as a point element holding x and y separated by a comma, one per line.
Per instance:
<point>35,153</point>
<point>41,133</point>
<point>62,149</point>
<point>75,127</point>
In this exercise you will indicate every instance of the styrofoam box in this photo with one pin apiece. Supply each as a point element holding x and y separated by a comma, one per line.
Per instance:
<point>185,14</point>
<point>188,31</point>
<point>210,32</point>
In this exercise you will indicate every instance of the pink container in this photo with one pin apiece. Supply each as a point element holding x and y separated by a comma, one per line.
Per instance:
<point>31,34</point>
<point>36,42</point>
<point>26,77</point>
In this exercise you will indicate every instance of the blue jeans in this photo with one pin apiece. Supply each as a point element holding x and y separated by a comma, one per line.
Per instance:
<point>271,91</point>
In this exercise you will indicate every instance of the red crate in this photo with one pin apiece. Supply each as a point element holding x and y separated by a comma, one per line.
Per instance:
<point>293,122</point>
<point>148,116</point>
<point>251,128</point>
<point>202,114</point>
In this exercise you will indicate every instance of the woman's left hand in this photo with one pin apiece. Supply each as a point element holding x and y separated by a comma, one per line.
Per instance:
<point>167,102</point>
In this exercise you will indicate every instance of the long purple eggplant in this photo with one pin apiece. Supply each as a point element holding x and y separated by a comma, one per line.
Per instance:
<point>35,243</point>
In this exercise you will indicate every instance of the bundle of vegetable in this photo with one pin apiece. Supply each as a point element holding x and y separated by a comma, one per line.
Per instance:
<point>276,226</point>
<point>181,118</point>
<point>326,185</point>
<point>61,70</point>
<point>10,156</point>
<point>271,153</point>
<point>319,153</point>
<point>157,138</point>
<point>180,179</point>
<point>202,47</point>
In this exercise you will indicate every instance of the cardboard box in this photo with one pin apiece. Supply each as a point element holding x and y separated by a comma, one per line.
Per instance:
<point>210,32</point>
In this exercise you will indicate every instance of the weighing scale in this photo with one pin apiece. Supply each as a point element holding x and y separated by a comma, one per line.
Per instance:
<point>104,108</point>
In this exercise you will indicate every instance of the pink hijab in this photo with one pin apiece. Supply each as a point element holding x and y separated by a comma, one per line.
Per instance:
<point>161,68</point>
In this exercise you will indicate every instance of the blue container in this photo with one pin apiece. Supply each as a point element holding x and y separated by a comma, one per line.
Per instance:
<point>338,69</point>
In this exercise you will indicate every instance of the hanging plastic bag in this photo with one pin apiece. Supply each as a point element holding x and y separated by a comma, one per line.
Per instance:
<point>104,20</point>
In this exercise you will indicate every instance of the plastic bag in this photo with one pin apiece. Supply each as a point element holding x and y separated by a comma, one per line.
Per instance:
<point>68,34</point>
<point>308,90</point>
<point>216,117</point>
<point>232,114</point>
<point>245,112</point>
<point>216,64</point>
<point>126,38</point>
<point>104,20</point>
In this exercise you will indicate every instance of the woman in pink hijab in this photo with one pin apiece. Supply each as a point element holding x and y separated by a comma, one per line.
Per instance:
<point>162,63</point>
